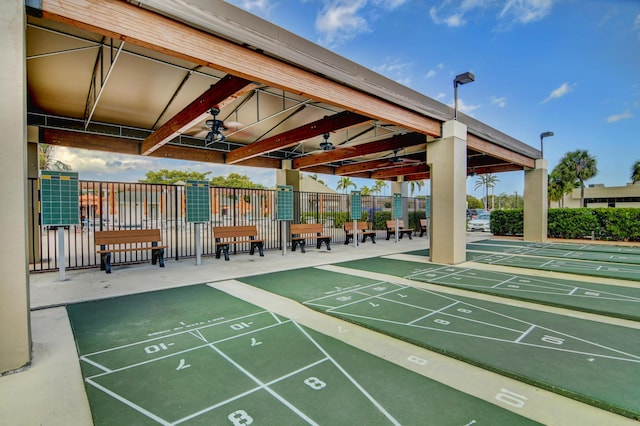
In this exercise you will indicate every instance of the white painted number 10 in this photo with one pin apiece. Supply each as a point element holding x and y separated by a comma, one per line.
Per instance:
<point>511,398</point>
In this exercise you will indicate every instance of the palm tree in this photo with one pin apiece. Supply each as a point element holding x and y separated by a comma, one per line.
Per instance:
<point>344,183</point>
<point>635,172</point>
<point>365,190</point>
<point>46,160</point>
<point>579,166</point>
<point>487,181</point>
<point>315,177</point>
<point>379,186</point>
<point>416,183</point>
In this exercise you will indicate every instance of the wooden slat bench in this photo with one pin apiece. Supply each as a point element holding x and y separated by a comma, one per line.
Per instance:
<point>391,229</point>
<point>129,240</point>
<point>362,229</point>
<point>225,236</point>
<point>300,232</point>
<point>423,226</point>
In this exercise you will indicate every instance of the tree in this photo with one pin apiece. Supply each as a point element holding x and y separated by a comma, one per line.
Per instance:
<point>365,190</point>
<point>379,186</point>
<point>344,183</point>
<point>171,177</point>
<point>486,181</point>
<point>473,202</point>
<point>46,160</point>
<point>579,167</point>
<point>415,184</point>
<point>635,172</point>
<point>235,180</point>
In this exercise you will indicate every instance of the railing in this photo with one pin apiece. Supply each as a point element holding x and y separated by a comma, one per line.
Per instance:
<point>117,205</point>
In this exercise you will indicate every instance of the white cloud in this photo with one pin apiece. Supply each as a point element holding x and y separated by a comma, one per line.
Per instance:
<point>525,11</point>
<point>467,109</point>
<point>440,96</point>
<point>430,74</point>
<point>389,4</point>
<point>501,102</point>
<point>339,21</point>
<point>453,20</point>
<point>636,23</point>
<point>257,7</point>
<point>559,92</point>
<point>618,117</point>
<point>395,70</point>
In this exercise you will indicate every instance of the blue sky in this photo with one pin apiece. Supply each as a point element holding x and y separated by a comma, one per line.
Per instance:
<point>567,66</point>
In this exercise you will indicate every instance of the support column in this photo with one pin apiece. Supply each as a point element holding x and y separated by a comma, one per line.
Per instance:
<point>447,159</point>
<point>15,338</point>
<point>535,202</point>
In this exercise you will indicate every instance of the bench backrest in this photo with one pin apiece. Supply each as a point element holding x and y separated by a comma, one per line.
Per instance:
<point>306,228</point>
<point>127,236</point>
<point>423,222</point>
<point>392,223</point>
<point>221,232</point>
<point>361,225</point>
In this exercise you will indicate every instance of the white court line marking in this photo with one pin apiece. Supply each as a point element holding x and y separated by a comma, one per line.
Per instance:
<point>249,392</point>
<point>351,379</point>
<point>196,333</point>
<point>505,281</point>
<point>525,334</point>
<point>95,364</point>
<point>430,313</point>
<point>127,367</point>
<point>498,314</point>
<point>571,293</point>
<point>350,290</point>
<point>266,388</point>
<point>174,334</point>
<point>125,401</point>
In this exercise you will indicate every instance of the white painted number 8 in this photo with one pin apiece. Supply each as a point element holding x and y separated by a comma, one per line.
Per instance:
<point>417,360</point>
<point>315,383</point>
<point>240,418</point>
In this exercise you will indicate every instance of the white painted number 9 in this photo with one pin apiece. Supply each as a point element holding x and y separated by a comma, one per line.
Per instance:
<point>315,383</point>
<point>240,418</point>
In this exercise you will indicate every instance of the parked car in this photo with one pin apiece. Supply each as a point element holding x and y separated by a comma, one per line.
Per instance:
<point>481,223</point>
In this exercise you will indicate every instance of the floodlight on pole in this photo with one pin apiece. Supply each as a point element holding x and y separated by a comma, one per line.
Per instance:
<point>542,136</point>
<point>464,78</point>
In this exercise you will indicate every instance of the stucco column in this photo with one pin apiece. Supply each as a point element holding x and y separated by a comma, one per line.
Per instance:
<point>447,159</point>
<point>286,176</point>
<point>535,202</point>
<point>15,339</point>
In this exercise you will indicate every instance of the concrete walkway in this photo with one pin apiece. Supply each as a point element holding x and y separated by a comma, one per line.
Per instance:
<point>51,391</point>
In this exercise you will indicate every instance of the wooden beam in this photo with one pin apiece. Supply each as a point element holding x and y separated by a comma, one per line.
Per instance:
<point>418,176</point>
<point>292,137</point>
<point>499,168</point>
<point>474,142</point>
<point>365,166</point>
<point>121,145</point>
<point>142,27</point>
<point>347,152</point>
<point>228,86</point>
<point>400,171</point>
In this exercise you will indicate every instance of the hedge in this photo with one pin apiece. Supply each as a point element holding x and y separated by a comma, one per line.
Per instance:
<point>610,224</point>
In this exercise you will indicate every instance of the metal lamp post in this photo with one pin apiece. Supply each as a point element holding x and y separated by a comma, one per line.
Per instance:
<point>542,136</point>
<point>465,78</point>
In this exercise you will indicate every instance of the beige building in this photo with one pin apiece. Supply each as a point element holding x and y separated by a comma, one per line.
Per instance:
<point>598,195</point>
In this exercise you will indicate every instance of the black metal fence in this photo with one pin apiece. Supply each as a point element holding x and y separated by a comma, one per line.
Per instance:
<point>117,205</point>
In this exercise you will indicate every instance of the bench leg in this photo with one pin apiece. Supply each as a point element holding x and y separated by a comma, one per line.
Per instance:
<point>347,240</point>
<point>409,234</point>
<point>327,242</point>
<point>302,245</point>
<point>389,234</point>
<point>157,256</point>
<point>294,244</point>
<point>225,250</point>
<point>260,247</point>
<point>373,238</point>
<point>105,262</point>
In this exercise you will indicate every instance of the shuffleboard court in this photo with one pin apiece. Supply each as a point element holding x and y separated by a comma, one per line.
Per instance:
<point>196,355</point>
<point>617,301</point>
<point>592,362</point>
<point>532,250</point>
<point>607,248</point>
<point>623,271</point>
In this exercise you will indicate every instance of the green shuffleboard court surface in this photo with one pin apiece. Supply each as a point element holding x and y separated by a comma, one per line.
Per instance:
<point>196,355</point>
<point>606,248</point>
<point>610,300</point>
<point>486,254</point>
<point>592,362</point>
<point>578,254</point>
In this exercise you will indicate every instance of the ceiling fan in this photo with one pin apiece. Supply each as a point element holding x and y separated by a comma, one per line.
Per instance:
<point>326,145</point>
<point>399,160</point>
<point>215,127</point>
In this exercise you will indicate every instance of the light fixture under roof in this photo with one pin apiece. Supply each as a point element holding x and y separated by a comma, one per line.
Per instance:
<point>326,145</point>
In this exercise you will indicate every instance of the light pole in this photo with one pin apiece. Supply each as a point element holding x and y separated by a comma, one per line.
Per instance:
<point>465,78</point>
<point>542,136</point>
